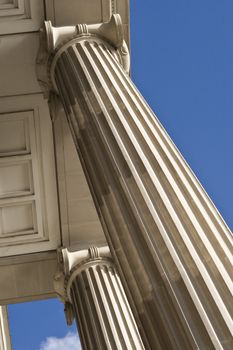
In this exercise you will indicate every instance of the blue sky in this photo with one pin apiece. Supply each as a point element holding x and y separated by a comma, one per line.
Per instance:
<point>182,62</point>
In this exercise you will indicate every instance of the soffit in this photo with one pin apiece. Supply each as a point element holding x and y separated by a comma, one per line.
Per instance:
<point>31,262</point>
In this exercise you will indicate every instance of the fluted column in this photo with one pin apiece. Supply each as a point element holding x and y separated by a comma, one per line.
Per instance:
<point>172,247</point>
<point>93,288</point>
<point>5,340</point>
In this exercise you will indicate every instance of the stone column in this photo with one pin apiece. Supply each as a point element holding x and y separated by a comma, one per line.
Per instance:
<point>172,247</point>
<point>93,288</point>
<point>5,340</point>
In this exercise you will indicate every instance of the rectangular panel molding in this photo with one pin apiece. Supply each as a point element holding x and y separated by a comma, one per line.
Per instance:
<point>15,178</point>
<point>28,199</point>
<point>17,219</point>
<point>18,16</point>
<point>15,124</point>
<point>19,191</point>
<point>14,7</point>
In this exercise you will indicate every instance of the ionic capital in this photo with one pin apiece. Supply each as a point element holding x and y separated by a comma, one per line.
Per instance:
<point>71,263</point>
<point>112,32</point>
<point>56,40</point>
<point>73,260</point>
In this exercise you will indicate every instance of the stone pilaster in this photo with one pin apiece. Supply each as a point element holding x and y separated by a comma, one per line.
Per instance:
<point>102,312</point>
<point>5,339</point>
<point>172,247</point>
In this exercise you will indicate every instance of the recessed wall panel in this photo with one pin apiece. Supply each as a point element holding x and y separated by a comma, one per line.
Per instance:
<point>17,219</point>
<point>15,179</point>
<point>14,134</point>
<point>20,16</point>
<point>29,219</point>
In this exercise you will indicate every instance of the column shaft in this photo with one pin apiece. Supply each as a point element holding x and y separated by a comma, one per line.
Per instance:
<point>5,340</point>
<point>101,309</point>
<point>170,243</point>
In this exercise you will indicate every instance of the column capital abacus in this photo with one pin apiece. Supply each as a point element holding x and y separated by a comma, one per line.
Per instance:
<point>111,32</point>
<point>73,259</point>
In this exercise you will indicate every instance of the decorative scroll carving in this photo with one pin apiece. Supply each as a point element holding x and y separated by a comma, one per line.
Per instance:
<point>57,38</point>
<point>94,295</point>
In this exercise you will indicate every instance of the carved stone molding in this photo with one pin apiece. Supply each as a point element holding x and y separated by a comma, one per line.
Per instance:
<point>70,263</point>
<point>112,32</point>
<point>20,16</point>
<point>95,297</point>
<point>54,42</point>
<point>28,202</point>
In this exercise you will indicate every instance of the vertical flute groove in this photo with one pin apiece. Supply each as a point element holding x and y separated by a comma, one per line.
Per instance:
<point>173,249</point>
<point>103,315</point>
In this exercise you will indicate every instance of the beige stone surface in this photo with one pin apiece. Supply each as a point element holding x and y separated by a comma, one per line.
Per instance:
<point>98,300</point>
<point>29,220</point>
<point>21,16</point>
<point>27,277</point>
<point>79,220</point>
<point>71,12</point>
<point>17,64</point>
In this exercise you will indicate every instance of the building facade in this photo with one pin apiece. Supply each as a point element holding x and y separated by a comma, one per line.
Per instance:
<point>98,207</point>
